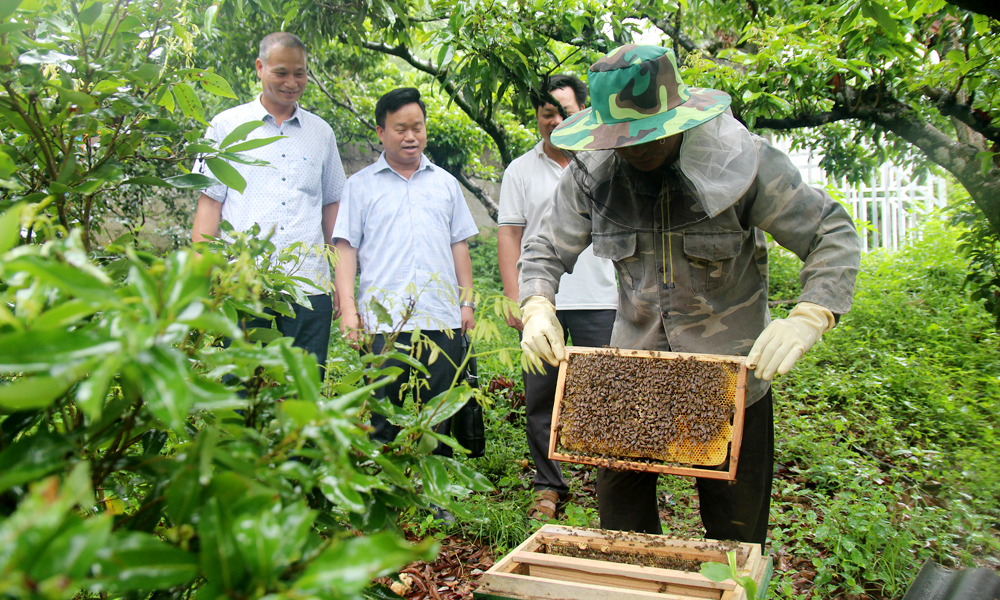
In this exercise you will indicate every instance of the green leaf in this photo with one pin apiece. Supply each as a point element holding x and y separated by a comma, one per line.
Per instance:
<point>884,19</point>
<point>190,181</point>
<point>349,565</point>
<point>240,133</point>
<point>434,474</point>
<point>89,284</point>
<point>7,8</point>
<point>32,392</point>
<point>163,373</point>
<point>214,84</point>
<point>90,14</point>
<point>137,561</point>
<point>159,126</point>
<point>7,166</point>
<point>252,144</point>
<point>184,495</point>
<point>301,411</point>
<point>10,227</point>
<point>468,476</point>
<point>717,572</point>
<point>227,174</point>
<point>189,102</point>
<point>304,372</point>
<point>33,351</point>
<point>33,457</point>
<point>444,405</point>
<point>93,392</point>
<point>220,557</point>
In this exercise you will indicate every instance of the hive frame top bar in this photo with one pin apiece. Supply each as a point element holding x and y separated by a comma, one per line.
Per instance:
<point>741,360</point>
<point>729,474</point>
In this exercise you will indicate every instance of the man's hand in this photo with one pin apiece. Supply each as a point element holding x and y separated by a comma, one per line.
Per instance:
<point>542,334</point>
<point>785,340</point>
<point>336,305</point>
<point>351,328</point>
<point>468,319</point>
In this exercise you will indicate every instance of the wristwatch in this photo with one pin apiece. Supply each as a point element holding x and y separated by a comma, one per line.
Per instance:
<point>468,303</point>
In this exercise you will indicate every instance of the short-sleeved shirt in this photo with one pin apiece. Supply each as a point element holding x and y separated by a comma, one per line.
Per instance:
<point>403,230</point>
<point>525,200</point>
<point>691,280</point>
<point>305,174</point>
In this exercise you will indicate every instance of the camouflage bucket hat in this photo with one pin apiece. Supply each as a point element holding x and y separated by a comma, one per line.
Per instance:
<point>637,97</point>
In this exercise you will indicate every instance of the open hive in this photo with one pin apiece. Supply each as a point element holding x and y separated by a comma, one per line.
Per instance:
<point>652,411</point>
<point>594,564</point>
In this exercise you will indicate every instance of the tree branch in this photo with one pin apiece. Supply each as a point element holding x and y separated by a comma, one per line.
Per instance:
<point>874,106</point>
<point>839,113</point>
<point>479,192</point>
<point>949,106</point>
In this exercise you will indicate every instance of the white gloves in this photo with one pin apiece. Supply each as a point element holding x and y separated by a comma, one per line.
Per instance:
<point>542,334</point>
<point>786,340</point>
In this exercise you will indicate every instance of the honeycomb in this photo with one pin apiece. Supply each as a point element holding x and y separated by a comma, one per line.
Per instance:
<point>672,410</point>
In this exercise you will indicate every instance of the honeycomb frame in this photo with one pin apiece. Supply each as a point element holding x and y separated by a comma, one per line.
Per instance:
<point>723,446</point>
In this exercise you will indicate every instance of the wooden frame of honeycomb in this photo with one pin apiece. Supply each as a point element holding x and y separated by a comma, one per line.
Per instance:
<point>681,414</point>
<point>595,564</point>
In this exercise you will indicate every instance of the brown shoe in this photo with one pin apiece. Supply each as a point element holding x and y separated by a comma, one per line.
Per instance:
<point>544,508</point>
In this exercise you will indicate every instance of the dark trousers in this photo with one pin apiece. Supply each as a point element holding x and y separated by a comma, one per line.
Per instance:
<point>730,510</point>
<point>589,328</point>
<point>442,373</point>
<point>309,328</point>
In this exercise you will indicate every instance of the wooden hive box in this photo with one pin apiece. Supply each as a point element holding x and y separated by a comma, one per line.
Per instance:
<point>665,412</point>
<point>569,563</point>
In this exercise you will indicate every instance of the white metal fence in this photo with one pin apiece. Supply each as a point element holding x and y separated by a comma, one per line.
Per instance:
<point>887,207</point>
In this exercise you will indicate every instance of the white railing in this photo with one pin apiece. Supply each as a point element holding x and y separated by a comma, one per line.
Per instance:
<point>886,207</point>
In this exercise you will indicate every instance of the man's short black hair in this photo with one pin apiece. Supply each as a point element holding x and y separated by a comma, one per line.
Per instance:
<point>392,101</point>
<point>556,82</point>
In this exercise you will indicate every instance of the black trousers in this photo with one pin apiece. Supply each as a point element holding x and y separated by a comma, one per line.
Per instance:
<point>589,328</point>
<point>736,510</point>
<point>442,373</point>
<point>309,328</point>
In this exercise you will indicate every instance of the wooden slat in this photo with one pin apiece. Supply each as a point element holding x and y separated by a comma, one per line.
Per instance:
<point>623,583</point>
<point>655,354</point>
<point>653,467</point>
<point>652,576</point>
<point>598,544</point>
<point>524,587</point>
<point>659,545</point>
<point>507,564</point>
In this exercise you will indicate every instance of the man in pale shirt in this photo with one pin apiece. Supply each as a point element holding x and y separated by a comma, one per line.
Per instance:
<point>295,196</point>
<point>405,222</point>
<point>587,298</point>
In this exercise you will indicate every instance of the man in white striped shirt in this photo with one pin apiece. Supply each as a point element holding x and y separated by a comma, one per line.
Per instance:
<point>405,222</point>
<point>295,196</point>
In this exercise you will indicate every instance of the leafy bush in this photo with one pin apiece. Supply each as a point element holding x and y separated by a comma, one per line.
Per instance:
<point>886,427</point>
<point>173,481</point>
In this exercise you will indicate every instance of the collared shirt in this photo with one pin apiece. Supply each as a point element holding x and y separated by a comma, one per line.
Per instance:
<point>690,282</point>
<point>403,230</point>
<point>305,174</point>
<point>525,199</point>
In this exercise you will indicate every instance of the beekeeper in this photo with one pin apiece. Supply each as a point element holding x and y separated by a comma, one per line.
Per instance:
<point>678,194</point>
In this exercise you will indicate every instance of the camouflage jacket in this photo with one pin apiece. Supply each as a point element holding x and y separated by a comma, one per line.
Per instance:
<point>689,282</point>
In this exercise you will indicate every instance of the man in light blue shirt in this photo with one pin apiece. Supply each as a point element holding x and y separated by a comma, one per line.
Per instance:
<point>405,222</point>
<point>295,197</point>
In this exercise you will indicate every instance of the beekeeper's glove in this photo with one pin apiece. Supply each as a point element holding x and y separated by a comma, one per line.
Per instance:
<point>784,341</point>
<point>542,334</point>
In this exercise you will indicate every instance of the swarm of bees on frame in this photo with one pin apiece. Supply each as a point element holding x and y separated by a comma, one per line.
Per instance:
<point>654,409</point>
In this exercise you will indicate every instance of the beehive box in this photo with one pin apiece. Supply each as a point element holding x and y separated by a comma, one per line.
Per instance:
<point>665,412</point>
<point>593,564</point>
